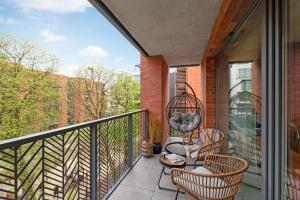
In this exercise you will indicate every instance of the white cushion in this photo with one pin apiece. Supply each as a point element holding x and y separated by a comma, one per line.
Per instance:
<point>201,170</point>
<point>202,191</point>
<point>194,154</point>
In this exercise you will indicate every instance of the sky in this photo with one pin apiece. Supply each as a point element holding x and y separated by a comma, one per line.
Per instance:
<point>73,30</point>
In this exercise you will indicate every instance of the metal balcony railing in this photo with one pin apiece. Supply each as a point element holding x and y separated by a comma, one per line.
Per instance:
<point>83,161</point>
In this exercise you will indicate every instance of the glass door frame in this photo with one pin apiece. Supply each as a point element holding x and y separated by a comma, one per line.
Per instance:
<point>273,115</point>
<point>274,120</point>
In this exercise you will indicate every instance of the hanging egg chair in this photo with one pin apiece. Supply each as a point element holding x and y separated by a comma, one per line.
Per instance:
<point>185,112</point>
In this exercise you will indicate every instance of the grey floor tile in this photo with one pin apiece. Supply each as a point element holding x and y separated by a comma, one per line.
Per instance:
<point>141,184</point>
<point>162,196</point>
<point>124,192</point>
<point>247,192</point>
<point>144,178</point>
<point>152,162</point>
<point>169,196</point>
<point>165,182</point>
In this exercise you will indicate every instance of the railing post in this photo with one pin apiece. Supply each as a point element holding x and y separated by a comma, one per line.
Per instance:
<point>130,160</point>
<point>93,162</point>
<point>16,178</point>
<point>146,134</point>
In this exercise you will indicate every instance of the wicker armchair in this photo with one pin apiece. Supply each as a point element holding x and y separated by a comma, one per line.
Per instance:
<point>212,144</point>
<point>218,179</point>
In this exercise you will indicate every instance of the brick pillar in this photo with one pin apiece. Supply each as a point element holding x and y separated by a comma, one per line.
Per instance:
<point>181,77</point>
<point>208,91</point>
<point>193,79</point>
<point>155,89</point>
<point>223,101</point>
<point>256,82</point>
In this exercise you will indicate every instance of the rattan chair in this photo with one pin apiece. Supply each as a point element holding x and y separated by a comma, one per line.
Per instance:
<point>221,181</point>
<point>212,144</point>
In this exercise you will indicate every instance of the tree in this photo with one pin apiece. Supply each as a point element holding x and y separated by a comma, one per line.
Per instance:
<point>92,85</point>
<point>27,92</point>
<point>124,93</point>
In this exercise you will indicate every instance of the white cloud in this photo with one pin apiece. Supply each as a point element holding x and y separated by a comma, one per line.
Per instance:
<point>7,21</point>
<point>49,36</point>
<point>93,51</point>
<point>56,6</point>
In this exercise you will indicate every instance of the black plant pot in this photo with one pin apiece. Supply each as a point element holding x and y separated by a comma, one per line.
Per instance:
<point>156,148</point>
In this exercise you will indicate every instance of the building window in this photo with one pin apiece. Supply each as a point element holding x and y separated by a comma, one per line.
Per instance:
<point>246,85</point>
<point>244,73</point>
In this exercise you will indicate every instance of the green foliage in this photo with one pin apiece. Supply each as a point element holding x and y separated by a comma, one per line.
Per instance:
<point>124,94</point>
<point>155,130</point>
<point>28,98</point>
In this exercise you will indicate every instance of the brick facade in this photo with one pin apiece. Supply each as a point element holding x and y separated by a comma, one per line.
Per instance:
<point>293,84</point>
<point>193,79</point>
<point>181,78</point>
<point>65,103</point>
<point>63,92</point>
<point>155,89</point>
<point>203,81</point>
<point>256,82</point>
<point>208,91</point>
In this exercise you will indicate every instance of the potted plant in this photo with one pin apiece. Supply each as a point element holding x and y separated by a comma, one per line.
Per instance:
<point>155,135</point>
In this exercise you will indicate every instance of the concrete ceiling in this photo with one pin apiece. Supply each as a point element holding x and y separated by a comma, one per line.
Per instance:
<point>177,29</point>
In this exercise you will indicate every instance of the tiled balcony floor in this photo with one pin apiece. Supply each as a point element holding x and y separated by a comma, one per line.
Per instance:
<point>141,184</point>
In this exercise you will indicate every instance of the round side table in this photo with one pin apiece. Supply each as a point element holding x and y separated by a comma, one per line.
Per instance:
<point>168,163</point>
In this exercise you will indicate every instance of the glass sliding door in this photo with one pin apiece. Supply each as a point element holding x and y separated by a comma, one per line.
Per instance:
<point>291,164</point>
<point>239,100</point>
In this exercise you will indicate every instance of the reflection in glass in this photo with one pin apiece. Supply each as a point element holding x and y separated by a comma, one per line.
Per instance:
<point>292,63</point>
<point>239,100</point>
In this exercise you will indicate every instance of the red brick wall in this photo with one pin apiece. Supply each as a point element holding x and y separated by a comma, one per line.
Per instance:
<point>155,89</point>
<point>203,80</point>
<point>256,82</point>
<point>294,83</point>
<point>223,89</point>
<point>193,79</point>
<point>181,77</point>
<point>78,112</point>
<point>63,91</point>
<point>208,91</point>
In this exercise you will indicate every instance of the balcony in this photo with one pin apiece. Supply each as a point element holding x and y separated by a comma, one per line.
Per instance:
<point>211,44</point>
<point>94,160</point>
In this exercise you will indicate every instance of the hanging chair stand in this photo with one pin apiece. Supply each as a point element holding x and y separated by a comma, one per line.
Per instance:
<point>185,112</point>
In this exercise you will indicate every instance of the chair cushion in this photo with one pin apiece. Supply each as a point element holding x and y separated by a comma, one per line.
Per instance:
<point>184,122</point>
<point>201,170</point>
<point>201,191</point>
<point>202,139</point>
<point>215,135</point>
<point>194,154</point>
